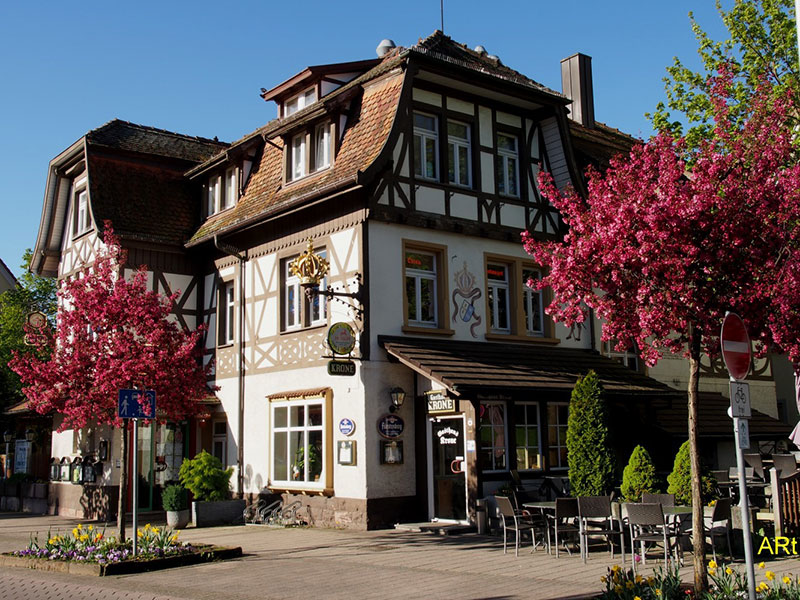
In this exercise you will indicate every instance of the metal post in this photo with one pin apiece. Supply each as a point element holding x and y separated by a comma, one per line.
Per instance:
<point>135,474</point>
<point>745,509</point>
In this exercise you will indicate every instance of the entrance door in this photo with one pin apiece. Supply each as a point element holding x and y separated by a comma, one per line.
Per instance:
<point>447,481</point>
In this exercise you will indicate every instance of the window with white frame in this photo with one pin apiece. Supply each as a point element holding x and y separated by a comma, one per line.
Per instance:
<point>426,146</point>
<point>83,221</point>
<point>528,436</point>
<point>219,444</point>
<point>299,102</point>
<point>532,304</point>
<point>628,357</point>
<point>298,310</point>
<point>557,415</point>
<point>459,153</point>
<point>213,194</point>
<point>421,288</point>
<point>498,286</point>
<point>507,166</point>
<point>226,314</point>
<point>300,440</point>
<point>231,189</point>
<point>310,151</point>
<point>493,436</point>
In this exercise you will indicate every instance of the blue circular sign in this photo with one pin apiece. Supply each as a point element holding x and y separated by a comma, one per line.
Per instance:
<point>347,426</point>
<point>391,426</point>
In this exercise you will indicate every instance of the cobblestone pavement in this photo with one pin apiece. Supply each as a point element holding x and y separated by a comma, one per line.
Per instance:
<point>300,564</point>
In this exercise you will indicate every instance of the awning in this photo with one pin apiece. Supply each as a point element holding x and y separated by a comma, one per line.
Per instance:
<point>482,366</point>
<point>713,420</point>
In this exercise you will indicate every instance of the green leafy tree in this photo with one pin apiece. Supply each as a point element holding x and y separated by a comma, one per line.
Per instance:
<point>639,475</point>
<point>33,293</point>
<point>589,454</point>
<point>762,47</point>
<point>204,476</point>
<point>680,480</point>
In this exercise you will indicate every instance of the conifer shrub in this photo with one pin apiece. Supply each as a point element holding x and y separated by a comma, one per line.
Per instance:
<point>204,476</point>
<point>639,475</point>
<point>589,454</point>
<point>680,480</point>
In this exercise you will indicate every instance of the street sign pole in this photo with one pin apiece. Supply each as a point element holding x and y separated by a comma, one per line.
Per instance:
<point>744,507</point>
<point>135,486</point>
<point>736,353</point>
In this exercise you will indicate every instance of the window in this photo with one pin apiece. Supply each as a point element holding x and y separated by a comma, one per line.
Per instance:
<point>426,146</point>
<point>528,436</point>
<point>83,220</point>
<point>557,414</point>
<point>532,303</point>
<point>421,288</point>
<point>299,102</point>
<point>219,445</point>
<point>497,283</point>
<point>514,308</point>
<point>459,153</point>
<point>222,191</point>
<point>226,314</point>
<point>298,310</point>
<point>231,189</point>
<point>301,434</point>
<point>629,357</point>
<point>310,152</point>
<point>507,165</point>
<point>493,436</point>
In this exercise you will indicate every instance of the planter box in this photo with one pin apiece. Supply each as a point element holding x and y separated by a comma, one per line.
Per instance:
<point>222,512</point>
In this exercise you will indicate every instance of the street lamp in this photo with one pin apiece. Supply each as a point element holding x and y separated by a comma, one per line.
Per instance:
<point>398,396</point>
<point>311,269</point>
<point>30,434</point>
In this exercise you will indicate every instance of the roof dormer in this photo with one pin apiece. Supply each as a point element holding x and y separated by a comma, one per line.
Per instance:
<point>312,84</point>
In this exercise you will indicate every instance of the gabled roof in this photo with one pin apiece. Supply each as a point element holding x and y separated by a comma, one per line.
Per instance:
<point>599,144</point>
<point>122,135</point>
<point>442,47</point>
<point>296,82</point>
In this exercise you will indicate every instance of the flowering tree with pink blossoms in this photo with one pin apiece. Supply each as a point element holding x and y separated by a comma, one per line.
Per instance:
<point>667,240</point>
<point>113,333</point>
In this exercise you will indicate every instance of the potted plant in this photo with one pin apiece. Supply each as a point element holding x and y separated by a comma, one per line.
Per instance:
<point>210,485</point>
<point>174,500</point>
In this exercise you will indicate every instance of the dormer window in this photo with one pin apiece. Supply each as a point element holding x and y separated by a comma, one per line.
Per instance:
<point>83,221</point>
<point>300,101</point>
<point>222,191</point>
<point>310,152</point>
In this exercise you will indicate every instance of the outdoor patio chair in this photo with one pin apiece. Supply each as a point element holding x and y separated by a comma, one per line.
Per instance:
<point>733,473</point>
<point>648,525</point>
<point>597,519</point>
<point>564,522</point>
<point>662,499</point>
<point>718,524</point>
<point>785,463</point>
<point>753,459</point>
<point>516,521</point>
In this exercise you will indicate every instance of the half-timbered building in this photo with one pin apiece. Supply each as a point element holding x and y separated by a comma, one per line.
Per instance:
<point>412,175</point>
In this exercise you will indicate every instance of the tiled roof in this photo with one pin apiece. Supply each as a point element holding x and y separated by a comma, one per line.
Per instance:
<point>442,47</point>
<point>479,366</point>
<point>143,201</point>
<point>123,135</point>
<point>363,140</point>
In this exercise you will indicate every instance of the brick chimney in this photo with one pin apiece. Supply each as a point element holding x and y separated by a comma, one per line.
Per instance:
<point>576,83</point>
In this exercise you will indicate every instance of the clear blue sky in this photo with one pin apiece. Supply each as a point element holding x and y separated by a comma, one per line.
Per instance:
<point>197,67</point>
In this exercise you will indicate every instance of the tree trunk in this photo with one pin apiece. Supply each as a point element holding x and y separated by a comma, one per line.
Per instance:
<point>123,483</point>
<point>698,531</point>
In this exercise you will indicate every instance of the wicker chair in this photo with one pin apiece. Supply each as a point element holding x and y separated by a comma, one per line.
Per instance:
<point>516,521</point>
<point>595,512</point>
<point>648,525</point>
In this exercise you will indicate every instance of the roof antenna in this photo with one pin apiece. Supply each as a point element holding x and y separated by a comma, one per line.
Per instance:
<point>441,12</point>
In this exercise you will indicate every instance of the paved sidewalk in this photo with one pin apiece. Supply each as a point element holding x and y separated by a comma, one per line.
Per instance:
<point>303,564</point>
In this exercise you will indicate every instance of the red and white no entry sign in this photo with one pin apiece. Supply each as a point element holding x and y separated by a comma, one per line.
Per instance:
<point>735,346</point>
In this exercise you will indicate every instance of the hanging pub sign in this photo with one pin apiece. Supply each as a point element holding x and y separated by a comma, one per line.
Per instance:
<point>345,368</point>
<point>391,426</point>
<point>439,403</point>
<point>341,338</point>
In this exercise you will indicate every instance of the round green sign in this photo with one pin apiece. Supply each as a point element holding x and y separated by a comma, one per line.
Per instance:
<point>341,338</point>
